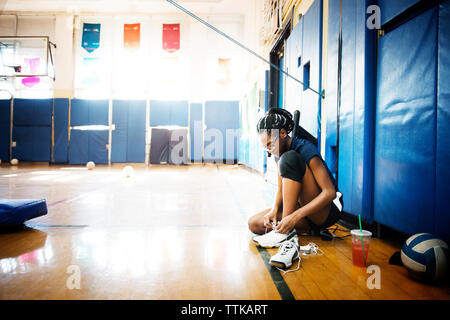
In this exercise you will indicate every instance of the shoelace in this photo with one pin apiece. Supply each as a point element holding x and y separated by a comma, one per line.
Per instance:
<point>284,248</point>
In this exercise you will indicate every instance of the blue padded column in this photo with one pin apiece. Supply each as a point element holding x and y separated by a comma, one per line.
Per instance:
<point>311,68</point>
<point>178,146</point>
<point>119,138</point>
<point>242,139</point>
<point>160,112</point>
<point>24,138</point>
<point>196,131</point>
<point>266,108</point>
<point>32,143</point>
<point>168,113</point>
<point>223,116</point>
<point>88,112</point>
<point>136,131</point>
<point>88,146</point>
<point>363,114</point>
<point>79,147</point>
<point>346,133</point>
<point>33,112</point>
<point>5,129</point>
<point>405,141</point>
<point>61,130</point>
<point>281,77</point>
<point>442,221</point>
<point>128,139</point>
<point>32,129</point>
<point>159,146</point>
<point>294,53</point>
<point>332,81</point>
<point>97,151</point>
<point>392,8</point>
<point>357,105</point>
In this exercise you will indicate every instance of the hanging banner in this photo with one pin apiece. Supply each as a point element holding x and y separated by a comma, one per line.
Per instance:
<point>91,37</point>
<point>171,37</point>
<point>132,36</point>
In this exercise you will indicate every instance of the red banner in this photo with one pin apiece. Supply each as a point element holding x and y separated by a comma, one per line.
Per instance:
<point>171,37</point>
<point>132,36</point>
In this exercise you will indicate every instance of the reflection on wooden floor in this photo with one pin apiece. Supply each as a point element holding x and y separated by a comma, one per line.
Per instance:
<point>168,232</point>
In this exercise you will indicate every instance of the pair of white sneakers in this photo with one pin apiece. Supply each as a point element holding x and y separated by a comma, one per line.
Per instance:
<point>289,248</point>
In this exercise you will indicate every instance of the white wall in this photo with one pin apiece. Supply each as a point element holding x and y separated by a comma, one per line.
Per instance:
<point>193,77</point>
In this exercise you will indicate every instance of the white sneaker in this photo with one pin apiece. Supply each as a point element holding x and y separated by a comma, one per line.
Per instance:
<point>273,239</point>
<point>289,252</point>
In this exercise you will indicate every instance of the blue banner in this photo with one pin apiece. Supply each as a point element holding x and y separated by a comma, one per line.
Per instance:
<point>91,37</point>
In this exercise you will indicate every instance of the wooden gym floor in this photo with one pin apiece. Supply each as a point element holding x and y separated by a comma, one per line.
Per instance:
<point>170,232</point>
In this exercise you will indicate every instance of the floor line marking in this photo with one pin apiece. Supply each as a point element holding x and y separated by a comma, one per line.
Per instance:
<point>277,278</point>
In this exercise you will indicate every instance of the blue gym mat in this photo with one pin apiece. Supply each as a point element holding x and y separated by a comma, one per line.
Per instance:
<point>16,211</point>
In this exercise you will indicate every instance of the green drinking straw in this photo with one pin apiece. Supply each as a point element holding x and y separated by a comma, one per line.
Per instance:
<point>362,242</point>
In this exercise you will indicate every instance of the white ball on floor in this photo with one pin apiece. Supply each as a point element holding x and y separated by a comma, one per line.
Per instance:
<point>128,171</point>
<point>14,162</point>
<point>90,165</point>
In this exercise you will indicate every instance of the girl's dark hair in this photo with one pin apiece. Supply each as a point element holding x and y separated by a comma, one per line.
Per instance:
<point>276,118</point>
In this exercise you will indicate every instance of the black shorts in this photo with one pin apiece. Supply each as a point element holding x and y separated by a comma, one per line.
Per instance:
<point>333,217</point>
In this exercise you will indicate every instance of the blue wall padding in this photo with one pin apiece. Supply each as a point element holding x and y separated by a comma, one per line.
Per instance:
<point>346,134</point>
<point>5,128</point>
<point>250,151</point>
<point>32,112</point>
<point>97,146</point>
<point>159,146</point>
<point>405,142</point>
<point>32,143</point>
<point>196,132</point>
<point>442,220</point>
<point>178,146</point>
<point>168,113</point>
<point>88,112</point>
<point>32,128</point>
<point>128,139</point>
<point>266,108</point>
<point>364,119</point>
<point>119,139</point>
<point>223,117</point>
<point>391,8</point>
<point>88,146</point>
<point>136,131</point>
<point>15,212</point>
<point>355,172</point>
<point>79,147</point>
<point>312,55</point>
<point>61,130</point>
<point>294,53</point>
<point>332,84</point>
<point>281,84</point>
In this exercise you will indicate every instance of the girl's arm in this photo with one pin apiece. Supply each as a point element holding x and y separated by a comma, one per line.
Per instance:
<point>278,204</point>
<point>326,196</point>
<point>271,216</point>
